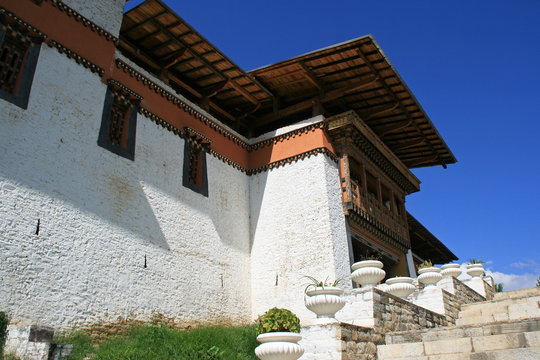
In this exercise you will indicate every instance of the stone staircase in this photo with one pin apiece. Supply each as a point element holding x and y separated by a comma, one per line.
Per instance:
<point>507,327</point>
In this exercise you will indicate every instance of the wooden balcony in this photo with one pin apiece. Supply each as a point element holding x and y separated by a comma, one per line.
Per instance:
<point>392,223</point>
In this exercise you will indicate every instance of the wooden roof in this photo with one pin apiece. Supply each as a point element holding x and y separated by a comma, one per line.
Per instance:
<point>355,75</point>
<point>163,43</point>
<point>426,245</point>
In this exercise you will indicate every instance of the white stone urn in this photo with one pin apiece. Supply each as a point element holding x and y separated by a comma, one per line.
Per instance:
<point>475,270</point>
<point>429,276</point>
<point>367,273</point>
<point>324,301</point>
<point>401,286</point>
<point>279,346</point>
<point>451,270</point>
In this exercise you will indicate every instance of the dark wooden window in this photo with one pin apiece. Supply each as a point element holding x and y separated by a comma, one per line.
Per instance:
<point>119,123</point>
<point>399,206</point>
<point>194,174</point>
<point>372,187</point>
<point>386,196</point>
<point>18,58</point>
<point>355,170</point>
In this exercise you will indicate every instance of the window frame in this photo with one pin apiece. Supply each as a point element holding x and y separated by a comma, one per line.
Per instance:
<point>201,184</point>
<point>127,149</point>
<point>21,94</point>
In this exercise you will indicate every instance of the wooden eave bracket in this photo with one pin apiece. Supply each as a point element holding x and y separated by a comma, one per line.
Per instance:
<point>312,78</point>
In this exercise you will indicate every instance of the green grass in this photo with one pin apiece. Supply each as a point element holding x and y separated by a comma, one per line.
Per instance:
<point>162,342</point>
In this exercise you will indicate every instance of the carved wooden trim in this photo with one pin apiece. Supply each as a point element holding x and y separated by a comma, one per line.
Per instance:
<point>83,20</point>
<point>78,58</point>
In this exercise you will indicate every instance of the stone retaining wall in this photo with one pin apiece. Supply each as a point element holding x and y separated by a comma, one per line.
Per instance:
<point>392,313</point>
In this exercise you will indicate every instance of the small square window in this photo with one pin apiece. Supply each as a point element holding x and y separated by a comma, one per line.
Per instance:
<point>119,123</point>
<point>195,175</point>
<point>18,58</point>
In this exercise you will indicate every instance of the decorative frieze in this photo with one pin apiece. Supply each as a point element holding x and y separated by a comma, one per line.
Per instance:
<point>195,134</point>
<point>126,89</point>
<point>78,58</point>
<point>180,103</point>
<point>307,154</point>
<point>23,23</point>
<point>83,20</point>
<point>159,121</point>
<point>291,134</point>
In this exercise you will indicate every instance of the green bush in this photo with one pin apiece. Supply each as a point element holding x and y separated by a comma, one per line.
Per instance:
<point>275,320</point>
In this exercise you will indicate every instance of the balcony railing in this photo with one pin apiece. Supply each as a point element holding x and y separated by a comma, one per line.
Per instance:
<point>370,204</point>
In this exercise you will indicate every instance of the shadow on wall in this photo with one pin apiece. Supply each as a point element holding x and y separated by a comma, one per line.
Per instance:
<point>257,186</point>
<point>56,164</point>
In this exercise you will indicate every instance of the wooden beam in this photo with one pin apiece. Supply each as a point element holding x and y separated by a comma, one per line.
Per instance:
<point>308,103</point>
<point>243,91</point>
<point>380,110</point>
<point>421,161</point>
<point>389,128</point>
<point>407,144</point>
<point>173,58</point>
<point>312,78</point>
<point>158,15</point>
<point>214,89</point>
<point>402,107</point>
<point>147,59</point>
<point>239,88</point>
<point>223,113</point>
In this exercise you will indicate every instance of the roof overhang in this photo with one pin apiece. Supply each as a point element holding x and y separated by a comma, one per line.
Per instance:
<point>354,75</point>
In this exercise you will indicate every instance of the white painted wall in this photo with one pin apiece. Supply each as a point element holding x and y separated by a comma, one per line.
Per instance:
<point>104,13</point>
<point>297,229</point>
<point>209,259</point>
<point>101,214</point>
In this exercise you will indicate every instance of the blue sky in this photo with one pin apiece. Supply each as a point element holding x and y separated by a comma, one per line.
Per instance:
<point>474,66</point>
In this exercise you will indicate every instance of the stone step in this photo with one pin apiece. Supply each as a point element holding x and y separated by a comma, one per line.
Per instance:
<point>504,327</point>
<point>459,347</point>
<point>530,353</point>
<point>535,291</point>
<point>499,310</point>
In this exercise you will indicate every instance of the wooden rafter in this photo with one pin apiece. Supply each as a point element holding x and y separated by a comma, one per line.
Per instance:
<point>219,73</point>
<point>140,54</point>
<point>142,23</point>
<point>391,93</point>
<point>408,144</point>
<point>308,103</point>
<point>376,111</point>
<point>311,77</point>
<point>393,127</point>
<point>173,58</point>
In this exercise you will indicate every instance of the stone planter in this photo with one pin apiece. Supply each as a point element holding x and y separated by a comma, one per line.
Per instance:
<point>401,286</point>
<point>451,270</point>
<point>429,276</point>
<point>324,301</point>
<point>475,270</point>
<point>279,346</point>
<point>367,273</point>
